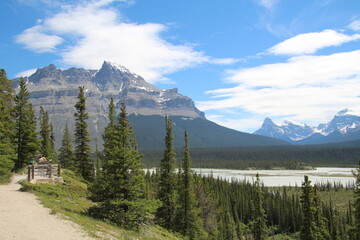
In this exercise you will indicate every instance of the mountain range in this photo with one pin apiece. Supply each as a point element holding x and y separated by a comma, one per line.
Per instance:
<point>345,126</point>
<point>56,91</point>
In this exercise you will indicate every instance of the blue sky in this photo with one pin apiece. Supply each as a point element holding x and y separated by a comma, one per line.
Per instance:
<point>239,60</point>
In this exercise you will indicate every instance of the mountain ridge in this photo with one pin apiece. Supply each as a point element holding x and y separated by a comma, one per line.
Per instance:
<point>344,126</point>
<point>56,91</point>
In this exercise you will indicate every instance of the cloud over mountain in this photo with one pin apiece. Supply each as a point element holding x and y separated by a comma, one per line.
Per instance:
<point>84,34</point>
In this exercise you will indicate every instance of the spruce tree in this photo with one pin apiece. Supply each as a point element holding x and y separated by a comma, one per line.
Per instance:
<point>66,151</point>
<point>110,135</point>
<point>357,202</point>
<point>45,142</point>
<point>308,227</point>
<point>7,150</point>
<point>165,215</point>
<point>258,226</point>
<point>322,232</point>
<point>188,220</point>
<point>25,126</point>
<point>82,138</point>
<point>119,188</point>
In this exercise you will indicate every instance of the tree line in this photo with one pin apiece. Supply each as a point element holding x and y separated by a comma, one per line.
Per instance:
<point>288,157</point>
<point>22,139</point>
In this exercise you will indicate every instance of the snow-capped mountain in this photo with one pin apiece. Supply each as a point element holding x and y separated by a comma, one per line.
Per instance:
<point>56,91</point>
<point>344,121</point>
<point>344,126</point>
<point>288,130</point>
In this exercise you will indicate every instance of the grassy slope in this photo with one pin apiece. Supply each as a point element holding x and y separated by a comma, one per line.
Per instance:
<point>4,179</point>
<point>70,201</point>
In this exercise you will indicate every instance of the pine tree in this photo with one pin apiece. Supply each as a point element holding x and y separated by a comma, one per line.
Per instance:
<point>82,138</point>
<point>110,135</point>
<point>45,142</point>
<point>258,226</point>
<point>357,202</point>
<point>308,227</point>
<point>189,222</point>
<point>66,151</point>
<point>119,188</point>
<point>165,215</point>
<point>322,232</point>
<point>25,121</point>
<point>7,150</point>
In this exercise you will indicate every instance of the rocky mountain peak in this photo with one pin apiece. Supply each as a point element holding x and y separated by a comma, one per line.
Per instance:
<point>347,112</point>
<point>115,66</point>
<point>268,122</point>
<point>48,72</point>
<point>114,76</point>
<point>344,122</point>
<point>56,91</point>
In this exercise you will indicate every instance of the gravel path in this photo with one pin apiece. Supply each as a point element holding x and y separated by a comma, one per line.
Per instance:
<point>23,217</point>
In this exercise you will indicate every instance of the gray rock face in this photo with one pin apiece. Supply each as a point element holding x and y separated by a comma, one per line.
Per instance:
<point>56,91</point>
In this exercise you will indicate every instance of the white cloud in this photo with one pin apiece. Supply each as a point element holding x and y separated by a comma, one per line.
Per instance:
<point>309,88</point>
<point>95,32</point>
<point>34,39</point>
<point>309,43</point>
<point>355,25</point>
<point>268,4</point>
<point>26,73</point>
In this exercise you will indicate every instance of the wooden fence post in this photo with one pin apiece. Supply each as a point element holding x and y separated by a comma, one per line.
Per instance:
<point>50,171</point>
<point>32,171</point>
<point>59,170</point>
<point>29,174</point>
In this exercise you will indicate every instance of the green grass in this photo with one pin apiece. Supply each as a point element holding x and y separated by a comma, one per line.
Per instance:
<point>5,178</point>
<point>69,200</point>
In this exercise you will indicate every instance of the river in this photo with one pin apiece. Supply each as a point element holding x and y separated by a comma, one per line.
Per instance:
<point>274,178</point>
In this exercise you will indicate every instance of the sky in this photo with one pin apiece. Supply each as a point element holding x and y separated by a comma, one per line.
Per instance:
<point>239,60</point>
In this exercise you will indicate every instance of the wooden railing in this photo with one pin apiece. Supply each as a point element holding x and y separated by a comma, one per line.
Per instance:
<point>44,170</point>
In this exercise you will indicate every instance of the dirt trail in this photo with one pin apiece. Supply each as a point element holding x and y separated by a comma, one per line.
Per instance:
<point>23,217</point>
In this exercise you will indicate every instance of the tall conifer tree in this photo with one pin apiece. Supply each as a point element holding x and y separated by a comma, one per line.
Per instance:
<point>45,142</point>
<point>308,227</point>
<point>66,151</point>
<point>189,222</point>
<point>322,232</point>
<point>110,135</point>
<point>82,138</point>
<point>7,150</point>
<point>258,227</point>
<point>357,202</point>
<point>119,188</point>
<point>165,215</point>
<point>25,120</point>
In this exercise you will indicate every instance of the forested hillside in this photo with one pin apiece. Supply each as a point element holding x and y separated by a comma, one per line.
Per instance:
<point>288,157</point>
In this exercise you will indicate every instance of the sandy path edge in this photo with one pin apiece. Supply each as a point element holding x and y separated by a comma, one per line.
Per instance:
<point>23,217</point>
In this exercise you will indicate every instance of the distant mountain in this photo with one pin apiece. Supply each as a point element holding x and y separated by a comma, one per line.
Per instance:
<point>288,131</point>
<point>56,91</point>
<point>345,126</point>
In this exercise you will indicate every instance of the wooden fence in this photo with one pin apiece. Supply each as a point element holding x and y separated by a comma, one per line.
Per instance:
<point>44,170</point>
